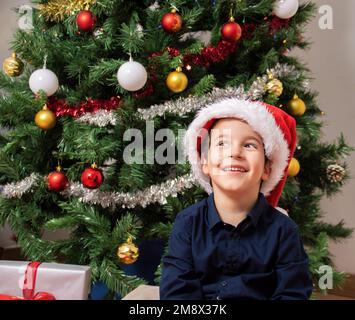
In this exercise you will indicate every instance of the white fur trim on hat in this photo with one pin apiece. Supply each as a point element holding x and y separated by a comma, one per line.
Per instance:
<point>261,121</point>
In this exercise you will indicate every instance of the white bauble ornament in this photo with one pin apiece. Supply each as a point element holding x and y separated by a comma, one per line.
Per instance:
<point>44,79</point>
<point>285,9</point>
<point>132,76</point>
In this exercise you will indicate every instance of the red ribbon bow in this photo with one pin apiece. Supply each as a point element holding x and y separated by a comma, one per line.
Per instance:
<point>29,284</point>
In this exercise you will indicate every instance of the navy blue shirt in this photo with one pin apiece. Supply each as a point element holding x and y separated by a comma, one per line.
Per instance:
<point>262,258</point>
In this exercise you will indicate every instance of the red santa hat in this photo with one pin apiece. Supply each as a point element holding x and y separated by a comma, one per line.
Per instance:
<point>276,128</point>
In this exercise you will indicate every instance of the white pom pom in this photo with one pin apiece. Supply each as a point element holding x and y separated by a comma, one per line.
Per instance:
<point>282,211</point>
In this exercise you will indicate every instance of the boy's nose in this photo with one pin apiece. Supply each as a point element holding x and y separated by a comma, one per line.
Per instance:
<point>236,151</point>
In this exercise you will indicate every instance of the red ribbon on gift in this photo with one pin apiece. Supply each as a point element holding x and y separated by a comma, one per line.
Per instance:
<point>29,284</point>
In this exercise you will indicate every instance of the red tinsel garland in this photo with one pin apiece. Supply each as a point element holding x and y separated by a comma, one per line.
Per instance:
<point>208,55</point>
<point>62,108</point>
<point>212,54</point>
<point>148,88</point>
<point>276,23</point>
<point>248,30</point>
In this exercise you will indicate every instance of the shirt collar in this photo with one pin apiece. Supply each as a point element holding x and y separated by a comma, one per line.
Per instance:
<point>213,217</point>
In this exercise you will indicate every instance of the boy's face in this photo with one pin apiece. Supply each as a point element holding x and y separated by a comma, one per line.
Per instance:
<point>234,145</point>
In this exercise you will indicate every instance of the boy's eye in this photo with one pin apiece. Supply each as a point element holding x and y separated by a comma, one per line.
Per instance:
<point>221,143</point>
<point>250,144</point>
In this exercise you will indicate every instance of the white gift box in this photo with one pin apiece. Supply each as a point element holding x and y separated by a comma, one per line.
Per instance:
<point>143,292</point>
<point>64,281</point>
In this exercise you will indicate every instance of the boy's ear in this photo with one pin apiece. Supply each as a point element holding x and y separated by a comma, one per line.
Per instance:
<point>205,169</point>
<point>267,170</point>
<point>204,164</point>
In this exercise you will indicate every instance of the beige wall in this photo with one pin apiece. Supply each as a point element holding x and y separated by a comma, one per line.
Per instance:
<point>331,60</point>
<point>8,23</point>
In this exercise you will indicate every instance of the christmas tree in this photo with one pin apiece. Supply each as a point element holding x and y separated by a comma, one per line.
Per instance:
<point>88,71</point>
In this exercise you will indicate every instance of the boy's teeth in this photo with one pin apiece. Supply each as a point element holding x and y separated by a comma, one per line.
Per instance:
<point>234,169</point>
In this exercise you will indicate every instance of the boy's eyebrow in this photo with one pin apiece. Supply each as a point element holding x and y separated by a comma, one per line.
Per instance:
<point>252,138</point>
<point>245,138</point>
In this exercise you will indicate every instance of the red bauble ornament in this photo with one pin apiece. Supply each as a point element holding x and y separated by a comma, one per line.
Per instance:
<point>85,20</point>
<point>92,178</point>
<point>57,180</point>
<point>231,31</point>
<point>171,22</point>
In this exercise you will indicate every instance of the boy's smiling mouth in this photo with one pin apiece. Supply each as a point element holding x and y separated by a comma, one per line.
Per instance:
<point>238,169</point>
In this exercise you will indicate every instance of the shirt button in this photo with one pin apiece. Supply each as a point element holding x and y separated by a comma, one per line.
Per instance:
<point>224,283</point>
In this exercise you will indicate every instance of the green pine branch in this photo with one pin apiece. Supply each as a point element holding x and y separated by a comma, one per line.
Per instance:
<point>116,280</point>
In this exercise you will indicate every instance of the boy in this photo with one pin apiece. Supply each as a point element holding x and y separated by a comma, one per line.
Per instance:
<point>235,244</point>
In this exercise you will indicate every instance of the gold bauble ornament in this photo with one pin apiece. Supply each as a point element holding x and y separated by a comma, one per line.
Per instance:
<point>294,167</point>
<point>13,66</point>
<point>296,106</point>
<point>128,252</point>
<point>45,119</point>
<point>177,81</point>
<point>274,85</point>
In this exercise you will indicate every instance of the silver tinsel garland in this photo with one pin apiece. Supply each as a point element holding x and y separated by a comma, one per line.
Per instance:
<point>17,189</point>
<point>182,106</point>
<point>155,193</point>
<point>101,118</point>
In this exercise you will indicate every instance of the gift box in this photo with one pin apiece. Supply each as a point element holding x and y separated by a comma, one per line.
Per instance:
<point>21,280</point>
<point>143,292</point>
